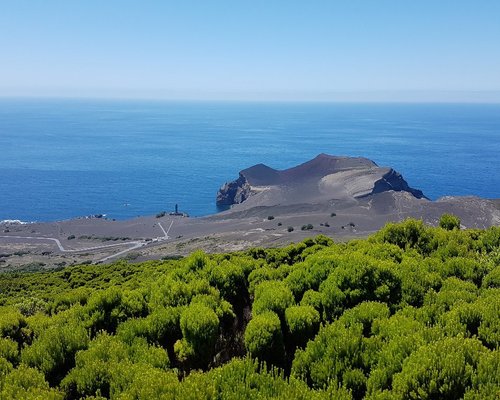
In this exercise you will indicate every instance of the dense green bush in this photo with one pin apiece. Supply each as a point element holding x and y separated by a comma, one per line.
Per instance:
<point>272,296</point>
<point>12,323</point>
<point>105,368</point>
<point>449,222</point>
<point>411,312</point>
<point>264,339</point>
<point>107,309</point>
<point>199,326</point>
<point>492,279</point>
<point>334,355</point>
<point>9,350</point>
<point>229,279</point>
<point>27,384</point>
<point>54,350</point>
<point>163,325</point>
<point>443,369</point>
<point>410,234</point>
<point>313,299</point>
<point>302,323</point>
<point>360,279</point>
<point>486,383</point>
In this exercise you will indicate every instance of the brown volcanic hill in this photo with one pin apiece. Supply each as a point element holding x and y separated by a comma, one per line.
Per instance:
<point>322,178</point>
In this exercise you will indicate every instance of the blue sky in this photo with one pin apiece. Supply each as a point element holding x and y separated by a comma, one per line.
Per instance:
<point>357,50</point>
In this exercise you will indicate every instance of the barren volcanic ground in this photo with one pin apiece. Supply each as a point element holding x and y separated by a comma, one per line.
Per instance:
<point>341,197</point>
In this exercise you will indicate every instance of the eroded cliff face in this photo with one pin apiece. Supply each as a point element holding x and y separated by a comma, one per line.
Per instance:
<point>393,180</point>
<point>323,178</point>
<point>234,192</point>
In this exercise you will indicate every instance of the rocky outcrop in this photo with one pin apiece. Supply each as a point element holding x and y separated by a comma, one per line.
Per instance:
<point>234,192</point>
<point>393,180</point>
<point>322,178</point>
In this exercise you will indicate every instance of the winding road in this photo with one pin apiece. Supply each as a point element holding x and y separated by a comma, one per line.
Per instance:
<point>135,244</point>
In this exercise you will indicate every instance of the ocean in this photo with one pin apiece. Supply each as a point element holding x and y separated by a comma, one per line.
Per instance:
<point>61,159</point>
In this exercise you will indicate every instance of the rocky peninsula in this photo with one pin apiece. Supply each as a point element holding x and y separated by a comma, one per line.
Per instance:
<point>340,197</point>
<point>321,179</point>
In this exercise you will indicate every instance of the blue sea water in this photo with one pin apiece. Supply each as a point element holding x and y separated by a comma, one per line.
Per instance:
<point>67,158</point>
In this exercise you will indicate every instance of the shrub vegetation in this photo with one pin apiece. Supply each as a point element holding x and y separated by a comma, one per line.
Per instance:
<point>412,312</point>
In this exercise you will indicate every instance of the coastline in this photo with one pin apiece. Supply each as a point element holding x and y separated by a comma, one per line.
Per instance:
<point>142,238</point>
<point>339,197</point>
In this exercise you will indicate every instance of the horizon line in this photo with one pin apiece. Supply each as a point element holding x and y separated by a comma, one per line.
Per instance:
<point>254,100</point>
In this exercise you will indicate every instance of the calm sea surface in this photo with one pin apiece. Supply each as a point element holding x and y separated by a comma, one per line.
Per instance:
<point>68,158</point>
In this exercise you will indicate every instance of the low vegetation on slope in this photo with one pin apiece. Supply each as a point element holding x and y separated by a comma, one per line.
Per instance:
<point>413,312</point>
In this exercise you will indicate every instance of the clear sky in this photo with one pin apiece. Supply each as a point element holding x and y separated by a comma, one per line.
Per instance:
<point>435,50</point>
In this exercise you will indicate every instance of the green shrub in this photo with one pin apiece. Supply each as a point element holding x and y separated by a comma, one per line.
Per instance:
<point>465,268</point>
<point>314,299</point>
<point>149,384</point>
<point>417,279</point>
<point>323,240</point>
<point>259,275</point>
<point>200,327</point>
<point>489,329</point>
<point>486,382</point>
<point>410,234</point>
<point>452,291</point>
<point>170,292</point>
<point>492,279</point>
<point>490,239</point>
<point>185,352</point>
<point>106,309</point>
<point>133,328</point>
<point>12,323</point>
<point>396,338</point>
<point>108,366</point>
<point>336,351</point>
<point>365,314</point>
<point>464,319</point>
<point>9,351</point>
<point>164,325</point>
<point>290,229</point>
<point>302,323</point>
<point>63,301</point>
<point>299,280</point>
<point>31,305</point>
<point>54,350</point>
<point>272,296</point>
<point>5,368</point>
<point>449,222</point>
<point>229,279</point>
<point>264,339</point>
<point>27,384</point>
<point>443,369</point>
<point>247,379</point>
<point>196,261</point>
<point>359,279</point>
